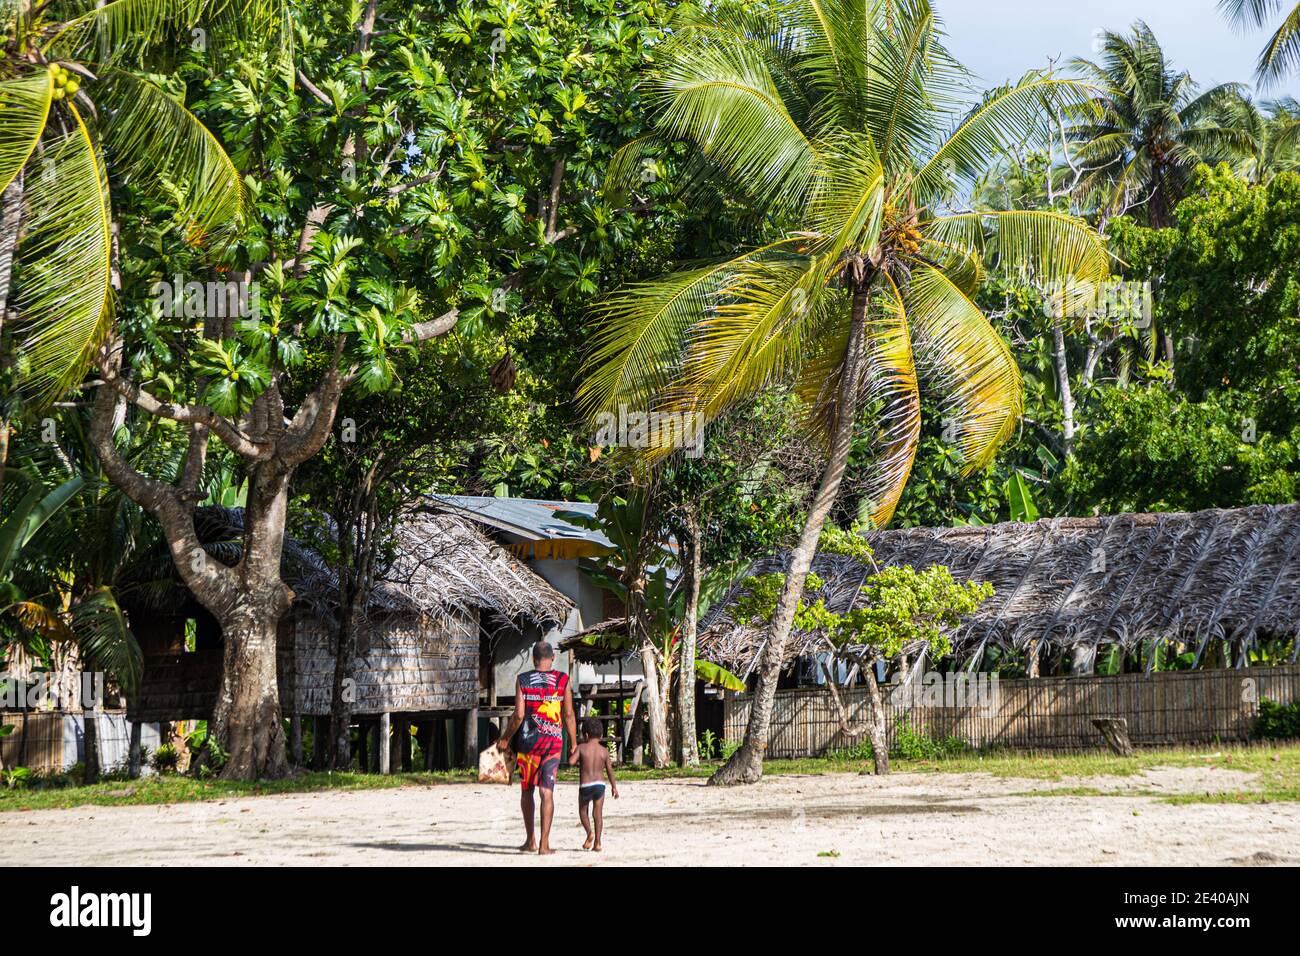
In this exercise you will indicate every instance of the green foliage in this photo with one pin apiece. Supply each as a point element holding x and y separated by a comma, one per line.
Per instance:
<point>913,744</point>
<point>848,543</point>
<point>165,759</point>
<point>896,606</point>
<point>1149,449</point>
<point>709,746</point>
<point>1277,721</point>
<point>14,777</point>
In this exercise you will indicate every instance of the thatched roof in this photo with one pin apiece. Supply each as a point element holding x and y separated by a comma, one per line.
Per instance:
<point>440,564</point>
<point>1125,579</point>
<point>600,643</point>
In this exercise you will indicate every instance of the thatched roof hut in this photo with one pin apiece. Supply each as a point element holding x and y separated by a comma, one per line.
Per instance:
<point>1128,579</point>
<point>440,564</point>
<point>445,588</point>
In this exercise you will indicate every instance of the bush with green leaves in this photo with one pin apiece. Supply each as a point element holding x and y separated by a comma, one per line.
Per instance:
<point>912,743</point>
<point>896,607</point>
<point>165,759</point>
<point>1277,721</point>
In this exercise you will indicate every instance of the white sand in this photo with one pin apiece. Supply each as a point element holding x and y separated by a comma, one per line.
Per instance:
<point>963,819</point>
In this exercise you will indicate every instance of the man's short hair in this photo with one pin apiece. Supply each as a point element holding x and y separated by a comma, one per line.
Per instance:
<point>543,652</point>
<point>593,727</point>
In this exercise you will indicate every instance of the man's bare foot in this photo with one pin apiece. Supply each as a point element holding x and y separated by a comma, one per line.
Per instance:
<point>587,843</point>
<point>529,847</point>
<point>596,848</point>
<point>544,850</point>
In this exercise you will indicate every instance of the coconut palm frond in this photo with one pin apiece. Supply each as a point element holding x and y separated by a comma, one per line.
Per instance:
<point>973,365</point>
<point>65,297</point>
<point>638,337</point>
<point>914,82</point>
<point>1281,55</point>
<point>1059,251</point>
<point>105,640</point>
<point>1251,14</point>
<point>757,332</point>
<point>723,98</point>
<point>630,165</point>
<point>123,29</point>
<point>42,620</point>
<point>25,102</point>
<point>891,387</point>
<point>155,140</point>
<point>849,197</point>
<point>1006,118</point>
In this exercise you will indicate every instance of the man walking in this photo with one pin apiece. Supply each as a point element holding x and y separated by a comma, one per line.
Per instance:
<point>543,698</point>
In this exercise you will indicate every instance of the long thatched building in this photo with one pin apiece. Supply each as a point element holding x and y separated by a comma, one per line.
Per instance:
<point>1219,584</point>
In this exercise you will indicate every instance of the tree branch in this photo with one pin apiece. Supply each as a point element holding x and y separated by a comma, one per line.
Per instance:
<point>208,579</point>
<point>314,90</point>
<point>229,434</point>
<point>423,331</point>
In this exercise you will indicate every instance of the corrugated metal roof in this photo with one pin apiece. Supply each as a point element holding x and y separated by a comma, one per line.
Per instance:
<point>530,518</point>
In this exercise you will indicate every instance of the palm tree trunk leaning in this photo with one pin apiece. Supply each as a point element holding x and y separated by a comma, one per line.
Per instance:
<point>746,764</point>
<point>689,752</point>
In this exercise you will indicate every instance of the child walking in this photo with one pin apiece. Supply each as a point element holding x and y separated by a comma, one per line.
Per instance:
<point>592,757</point>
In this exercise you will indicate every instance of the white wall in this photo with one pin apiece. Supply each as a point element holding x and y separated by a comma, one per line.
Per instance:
<point>513,653</point>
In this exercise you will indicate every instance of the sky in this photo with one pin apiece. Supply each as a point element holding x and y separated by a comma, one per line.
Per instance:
<point>1001,39</point>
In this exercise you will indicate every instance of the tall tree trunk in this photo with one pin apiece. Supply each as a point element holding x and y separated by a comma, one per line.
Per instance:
<point>1063,387</point>
<point>879,730</point>
<point>877,723</point>
<point>134,751</point>
<point>690,754</point>
<point>746,764</point>
<point>247,719</point>
<point>11,215</point>
<point>90,723</point>
<point>660,750</point>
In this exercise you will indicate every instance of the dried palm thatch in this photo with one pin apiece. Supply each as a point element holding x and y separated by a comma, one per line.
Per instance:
<point>439,564</point>
<point>1064,582</point>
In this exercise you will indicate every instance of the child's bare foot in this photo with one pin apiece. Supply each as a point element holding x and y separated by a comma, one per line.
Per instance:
<point>587,843</point>
<point>596,848</point>
<point>529,847</point>
<point>544,850</point>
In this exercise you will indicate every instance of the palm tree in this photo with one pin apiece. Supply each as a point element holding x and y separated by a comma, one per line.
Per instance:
<point>1149,127</point>
<point>838,121</point>
<point>1281,54</point>
<point>72,112</point>
<point>1274,131</point>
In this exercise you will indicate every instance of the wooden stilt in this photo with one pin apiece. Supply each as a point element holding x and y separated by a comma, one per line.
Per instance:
<point>471,738</point>
<point>295,739</point>
<point>363,738</point>
<point>439,747</point>
<point>383,744</point>
<point>320,736</point>
<point>133,756</point>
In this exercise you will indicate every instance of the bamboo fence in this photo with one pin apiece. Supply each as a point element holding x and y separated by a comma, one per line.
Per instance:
<point>1175,707</point>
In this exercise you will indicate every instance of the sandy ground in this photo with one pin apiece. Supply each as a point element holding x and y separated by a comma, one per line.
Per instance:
<point>961,819</point>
